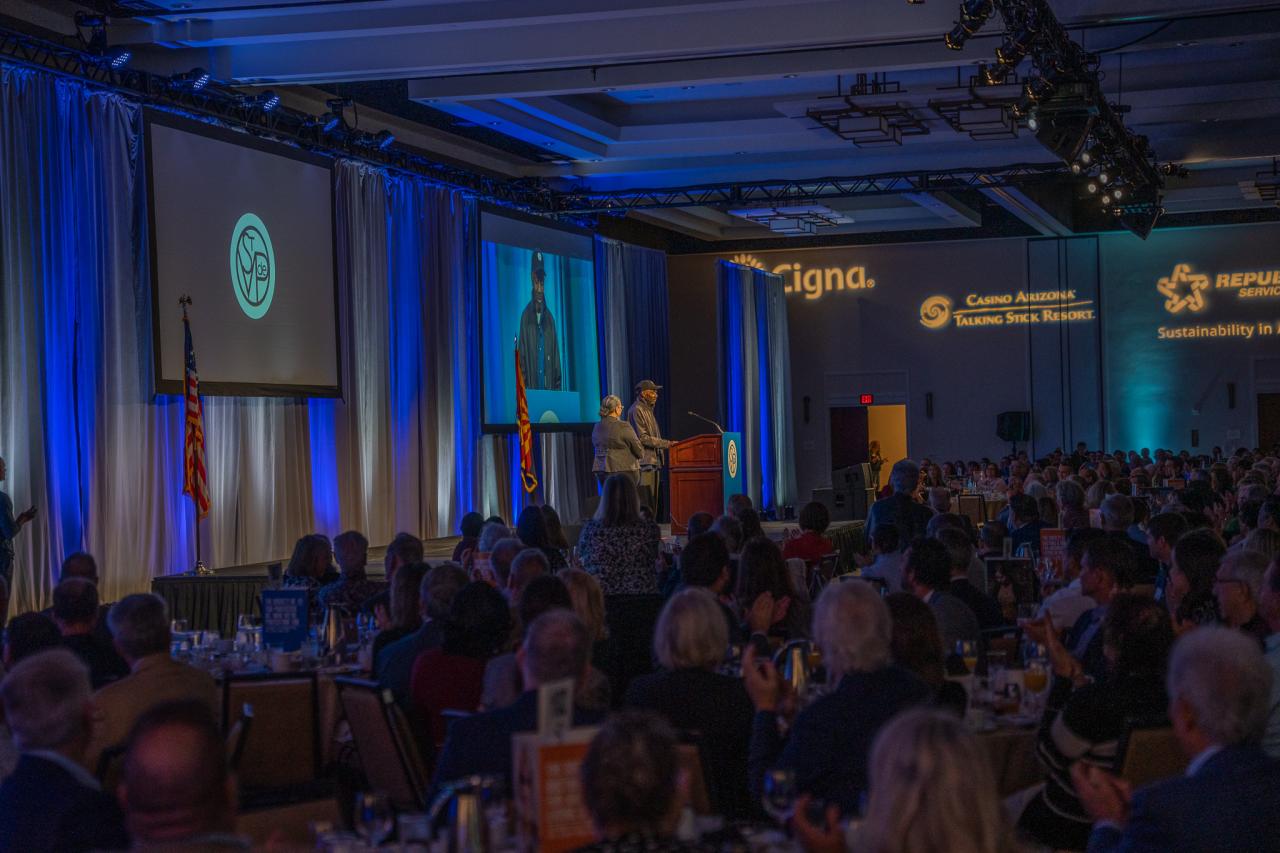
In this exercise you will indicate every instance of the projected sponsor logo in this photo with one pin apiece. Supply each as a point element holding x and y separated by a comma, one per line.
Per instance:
<point>253,266</point>
<point>814,282</point>
<point>1019,308</point>
<point>1184,290</point>
<point>732,454</point>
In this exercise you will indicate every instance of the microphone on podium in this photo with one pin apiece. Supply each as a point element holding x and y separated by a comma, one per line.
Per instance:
<point>708,420</point>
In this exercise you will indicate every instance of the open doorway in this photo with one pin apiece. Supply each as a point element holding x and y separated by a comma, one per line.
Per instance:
<point>887,427</point>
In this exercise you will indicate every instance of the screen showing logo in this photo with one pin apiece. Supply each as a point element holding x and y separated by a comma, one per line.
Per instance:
<point>253,266</point>
<point>732,455</point>
<point>1184,290</point>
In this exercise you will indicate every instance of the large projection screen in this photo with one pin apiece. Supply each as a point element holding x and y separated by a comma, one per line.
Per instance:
<point>538,297</point>
<point>244,228</point>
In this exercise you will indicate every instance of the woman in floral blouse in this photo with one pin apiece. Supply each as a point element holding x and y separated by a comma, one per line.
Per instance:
<point>618,546</point>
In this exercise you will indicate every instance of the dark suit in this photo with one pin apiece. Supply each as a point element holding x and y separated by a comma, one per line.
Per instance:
<point>43,807</point>
<point>645,424</point>
<point>1089,653</point>
<point>829,745</point>
<point>394,664</point>
<point>983,606</point>
<point>481,744</point>
<point>104,662</point>
<point>718,709</point>
<point>616,448</point>
<point>900,511</point>
<point>1027,534</point>
<point>530,332</point>
<point>1232,803</point>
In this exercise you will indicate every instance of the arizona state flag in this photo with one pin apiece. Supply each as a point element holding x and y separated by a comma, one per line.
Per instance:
<point>527,475</point>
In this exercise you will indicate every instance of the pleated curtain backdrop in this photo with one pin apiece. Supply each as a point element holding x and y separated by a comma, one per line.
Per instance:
<point>755,379</point>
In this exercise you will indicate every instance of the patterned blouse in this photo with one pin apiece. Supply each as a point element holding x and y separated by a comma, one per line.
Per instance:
<point>624,559</point>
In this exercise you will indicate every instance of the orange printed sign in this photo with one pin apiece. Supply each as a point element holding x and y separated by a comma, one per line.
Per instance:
<point>549,807</point>
<point>1053,547</point>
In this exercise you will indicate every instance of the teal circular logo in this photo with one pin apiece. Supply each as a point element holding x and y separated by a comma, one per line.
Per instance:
<point>253,266</point>
<point>733,459</point>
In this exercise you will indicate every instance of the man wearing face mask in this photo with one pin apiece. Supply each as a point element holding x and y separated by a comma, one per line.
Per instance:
<point>538,344</point>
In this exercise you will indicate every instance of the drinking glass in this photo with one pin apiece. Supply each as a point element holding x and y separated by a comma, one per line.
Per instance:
<point>968,652</point>
<point>779,798</point>
<point>180,626</point>
<point>373,818</point>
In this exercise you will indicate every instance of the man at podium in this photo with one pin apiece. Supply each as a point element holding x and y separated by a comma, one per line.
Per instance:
<point>642,420</point>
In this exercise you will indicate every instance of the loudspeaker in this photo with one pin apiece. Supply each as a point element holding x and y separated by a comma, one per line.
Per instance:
<point>928,404</point>
<point>1231,395</point>
<point>841,511</point>
<point>1013,426</point>
<point>851,492</point>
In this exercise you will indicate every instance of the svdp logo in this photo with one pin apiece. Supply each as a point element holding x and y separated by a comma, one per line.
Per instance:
<point>253,266</point>
<point>1184,290</point>
<point>732,454</point>
<point>935,312</point>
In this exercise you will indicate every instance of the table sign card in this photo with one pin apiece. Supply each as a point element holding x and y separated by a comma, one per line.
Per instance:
<point>555,707</point>
<point>550,813</point>
<point>1053,547</point>
<point>284,618</point>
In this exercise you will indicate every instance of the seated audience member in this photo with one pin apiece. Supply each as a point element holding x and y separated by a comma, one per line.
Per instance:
<point>927,575</point>
<point>1163,532</point>
<point>828,742</point>
<point>939,499</point>
<point>450,677</point>
<point>811,545</point>
<point>1270,608</point>
<point>403,615</point>
<point>469,528</point>
<point>555,647</point>
<point>632,786</point>
<point>502,681</point>
<point>27,634</point>
<point>528,565</point>
<point>81,564</point>
<point>1189,593</point>
<point>75,611</point>
<point>705,564</point>
<point>900,509</point>
<point>751,527</point>
<point>476,562</point>
<point>354,588</point>
<point>1117,516</point>
<point>498,572</point>
<point>176,789</point>
<point>405,550</point>
<point>738,504</point>
<point>960,554</point>
<point>1086,721</point>
<point>690,642</point>
<point>1104,572</point>
<point>140,625</point>
<point>932,790</point>
<point>436,591</point>
<point>991,539</point>
<point>699,523</point>
<point>531,528</point>
<point>1269,514</point>
<point>1238,587</point>
<point>588,603</point>
<point>617,545</point>
<point>50,803</point>
<point>555,530</point>
<point>1229,798</point>
<point>309,567</point>
<point>917,648</point>
<point>1069,603</point>
<point>729,529</point>
<point>1025,523</point>
<point>763,574</point>
<point>887,563</point>
<point>1265,542</point>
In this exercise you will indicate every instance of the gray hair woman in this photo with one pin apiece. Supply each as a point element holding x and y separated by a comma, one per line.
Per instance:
<point>617,448</point>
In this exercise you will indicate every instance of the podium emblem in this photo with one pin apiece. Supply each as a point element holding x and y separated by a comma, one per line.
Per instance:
<point>732,456</point>
<point>253,266</point>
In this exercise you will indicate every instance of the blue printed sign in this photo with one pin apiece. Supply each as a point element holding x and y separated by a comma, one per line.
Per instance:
<point>284,618</point>
<point>733,458</point>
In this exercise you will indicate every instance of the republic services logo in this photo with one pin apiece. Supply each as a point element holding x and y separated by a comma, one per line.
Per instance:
<point>253,266</point>
<point>1184,290</point>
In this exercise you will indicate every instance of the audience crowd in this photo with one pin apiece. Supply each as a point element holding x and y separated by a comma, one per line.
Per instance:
<point>1163,612</point>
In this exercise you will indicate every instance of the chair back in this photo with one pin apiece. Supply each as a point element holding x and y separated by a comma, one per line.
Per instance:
<point>284,749</point>
<point>383,757</point>
<point>1150,754</point>
<point>691,765</point>
<point>238,736</point>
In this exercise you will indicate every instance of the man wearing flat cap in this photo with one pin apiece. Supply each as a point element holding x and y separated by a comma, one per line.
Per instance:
<point>642,420</point>
<point>538,344</point>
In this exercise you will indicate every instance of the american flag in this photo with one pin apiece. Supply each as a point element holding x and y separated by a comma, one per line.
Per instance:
<point>194,477</point>
<point>527,474</point>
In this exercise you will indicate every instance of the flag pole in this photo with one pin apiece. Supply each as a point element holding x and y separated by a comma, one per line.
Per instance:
<point>200,568</point>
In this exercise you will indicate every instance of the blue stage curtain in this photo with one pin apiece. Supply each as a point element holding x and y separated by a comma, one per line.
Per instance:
<point>755,379</point>
<point>631,318</point>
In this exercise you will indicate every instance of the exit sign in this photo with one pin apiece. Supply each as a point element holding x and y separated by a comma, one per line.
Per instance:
<point>866,399</point>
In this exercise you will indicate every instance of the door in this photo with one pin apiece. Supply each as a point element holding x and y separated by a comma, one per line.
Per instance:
<point>1268,422</point>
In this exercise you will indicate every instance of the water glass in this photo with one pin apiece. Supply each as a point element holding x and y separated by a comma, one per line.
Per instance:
<point>967,652</point>
<point>373,818</point>
<point>179,626</point>
<point>779,798</point>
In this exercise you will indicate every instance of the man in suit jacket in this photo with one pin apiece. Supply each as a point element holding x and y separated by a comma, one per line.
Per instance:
<point>140,625</point>
<point>617,449</point>
<point>927,576</point>
<point>645,423</point>
<point>75,610</point>
<point>50,802</point>
<point>556,646</point>
<point>1104,571</point>
<point>829,743</point>
<point>1229,798</point>
<point>960,552</point>
<point>900,509</point>
<point>1024,523</point>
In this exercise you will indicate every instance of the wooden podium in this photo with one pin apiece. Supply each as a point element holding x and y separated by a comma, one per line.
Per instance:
<point>697,479</point>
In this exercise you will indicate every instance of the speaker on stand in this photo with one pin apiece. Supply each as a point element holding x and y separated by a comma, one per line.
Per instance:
<point>1014,427</point>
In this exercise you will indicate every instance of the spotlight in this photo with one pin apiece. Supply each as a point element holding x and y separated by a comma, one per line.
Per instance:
<point>973,15</point>
<point>382,140</point>
<point>1015,46</point>
<point>195,79</point>
<point>1092,187</point>
<point>1106,200</point>
<point>1117,193</point>
<point>1104,177</point>
<point>333,119</point>
<point>956,38</point>
<point>1086,158</point>
<point>119,57</point>
<point>1076,168</point>
<point>1033,121</point>
<point>269,101</point>
<point>1037,89</point>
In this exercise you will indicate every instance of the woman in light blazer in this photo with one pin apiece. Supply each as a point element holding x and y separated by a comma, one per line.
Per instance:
<point>617,448</point>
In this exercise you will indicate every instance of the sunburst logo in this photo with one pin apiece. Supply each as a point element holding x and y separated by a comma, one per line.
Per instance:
<point>1184,290</point>
<point>747,261</point>
<point>935,312</point>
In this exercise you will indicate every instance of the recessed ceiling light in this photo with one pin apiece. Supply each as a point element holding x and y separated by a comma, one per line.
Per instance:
<point>790,76</point>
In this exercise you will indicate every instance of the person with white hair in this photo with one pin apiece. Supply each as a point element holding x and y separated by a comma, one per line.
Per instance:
<point>1238,588</point>
<point>1229,799</point>
<point>828,742</point>
<point>900,509</point>
<point>50,802</point>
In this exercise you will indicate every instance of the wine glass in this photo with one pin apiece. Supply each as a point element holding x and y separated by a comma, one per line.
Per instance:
<point>1035,678</point>
<point>779,798</point>
<point>180,626</point>
<point>373,818</point>
<point>968,652</point>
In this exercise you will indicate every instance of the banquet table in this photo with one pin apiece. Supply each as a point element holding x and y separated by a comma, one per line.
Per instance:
<point>211,602</point>
<point>1012,753</point>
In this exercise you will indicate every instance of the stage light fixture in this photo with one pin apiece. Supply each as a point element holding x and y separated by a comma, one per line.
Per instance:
<point>1092,187</point>
<point>195,79</point>
<point>955,39</point>
<point>1106,200</point>
<point>382,139</point>
<point>119,57</point>
<point>1033,121</point>
<point>334,118</point>
<point>1038,88</point>
<point>269,101</point>
<point>1117,193</point>
<point>1104,177</point>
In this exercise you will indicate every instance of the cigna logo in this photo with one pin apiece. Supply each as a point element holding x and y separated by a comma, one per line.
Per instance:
<point>813,282</point>
<point>1184,290</point>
